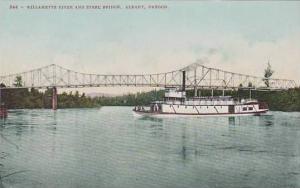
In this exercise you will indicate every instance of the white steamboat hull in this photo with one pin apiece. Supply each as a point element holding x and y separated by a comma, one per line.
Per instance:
<point>205,110</point>
<point>161,114</point>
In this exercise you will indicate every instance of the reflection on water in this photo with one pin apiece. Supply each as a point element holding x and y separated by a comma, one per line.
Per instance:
<point>268,120</point>
<point>96,148</point>
<point>149,118</point>
<point>231,120</point>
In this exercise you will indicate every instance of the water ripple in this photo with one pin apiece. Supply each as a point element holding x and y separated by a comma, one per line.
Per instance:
<point>108,147</point>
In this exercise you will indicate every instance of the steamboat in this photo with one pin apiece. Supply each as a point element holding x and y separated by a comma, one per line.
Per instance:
<point>176,103</point>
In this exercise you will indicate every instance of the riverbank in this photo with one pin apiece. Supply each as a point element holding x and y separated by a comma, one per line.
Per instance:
<point>282,100</point>
<point>287,101</point>
<point>33,98</point>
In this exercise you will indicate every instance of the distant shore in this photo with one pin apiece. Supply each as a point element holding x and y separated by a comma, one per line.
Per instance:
<point>286,101</point>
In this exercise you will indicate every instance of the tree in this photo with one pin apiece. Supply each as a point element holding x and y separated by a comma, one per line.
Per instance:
<point>268,73</point>
<point>18,81</point>
<point>2,85</point>
<point>250,84</point>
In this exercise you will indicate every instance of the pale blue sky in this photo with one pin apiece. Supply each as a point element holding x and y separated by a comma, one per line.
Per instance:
<point>239,36</point>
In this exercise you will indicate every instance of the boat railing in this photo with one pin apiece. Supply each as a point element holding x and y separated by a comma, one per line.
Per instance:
<point>243,101</point>
<point>202,102</point>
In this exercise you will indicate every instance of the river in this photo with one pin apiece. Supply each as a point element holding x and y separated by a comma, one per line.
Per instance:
<point>109,148</point>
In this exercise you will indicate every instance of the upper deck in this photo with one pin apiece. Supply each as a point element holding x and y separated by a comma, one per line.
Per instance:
<point>179,97</point>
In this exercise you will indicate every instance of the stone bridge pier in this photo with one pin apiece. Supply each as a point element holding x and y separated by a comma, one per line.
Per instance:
<point>54,98</point>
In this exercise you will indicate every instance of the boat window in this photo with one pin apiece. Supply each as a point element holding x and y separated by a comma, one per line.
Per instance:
<point>250,108</point>
<point>244,108</point>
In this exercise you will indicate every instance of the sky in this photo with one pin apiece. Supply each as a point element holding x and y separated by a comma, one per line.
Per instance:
<point>235,36</point>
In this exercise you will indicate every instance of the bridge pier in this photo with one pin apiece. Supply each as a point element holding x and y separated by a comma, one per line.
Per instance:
<point>54,98</point>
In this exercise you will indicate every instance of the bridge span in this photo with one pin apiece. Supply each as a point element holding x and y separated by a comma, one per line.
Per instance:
<point>198,76</point>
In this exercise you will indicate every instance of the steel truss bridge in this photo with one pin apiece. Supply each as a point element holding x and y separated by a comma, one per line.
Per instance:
<point>197,76</point>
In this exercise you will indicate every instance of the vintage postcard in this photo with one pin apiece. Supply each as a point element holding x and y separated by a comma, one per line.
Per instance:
<point>149,94</point>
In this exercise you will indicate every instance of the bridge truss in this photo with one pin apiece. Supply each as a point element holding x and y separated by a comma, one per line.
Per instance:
<point>198,76</point>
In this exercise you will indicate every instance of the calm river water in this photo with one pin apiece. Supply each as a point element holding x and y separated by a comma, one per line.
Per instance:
<point>109,148</point>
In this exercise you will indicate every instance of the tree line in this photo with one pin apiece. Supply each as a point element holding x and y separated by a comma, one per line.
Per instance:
<point>21,98</point>
<point>33,98</point>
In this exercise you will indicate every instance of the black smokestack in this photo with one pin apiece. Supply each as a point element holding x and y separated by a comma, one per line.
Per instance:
<point>183,80</point>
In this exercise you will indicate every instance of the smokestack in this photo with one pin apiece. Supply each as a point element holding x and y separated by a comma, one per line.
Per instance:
<point>183,80</point>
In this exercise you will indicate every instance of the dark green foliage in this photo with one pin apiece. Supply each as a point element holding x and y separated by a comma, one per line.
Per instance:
<point>76,101</point>
<point>18,81</point>
<point>33,98</point>
<point>250,84</point>
<point>23,98</point>
<point>268,73</point>
<point>281,100</point>
<point>143,98</point>
<point>288,100</point>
